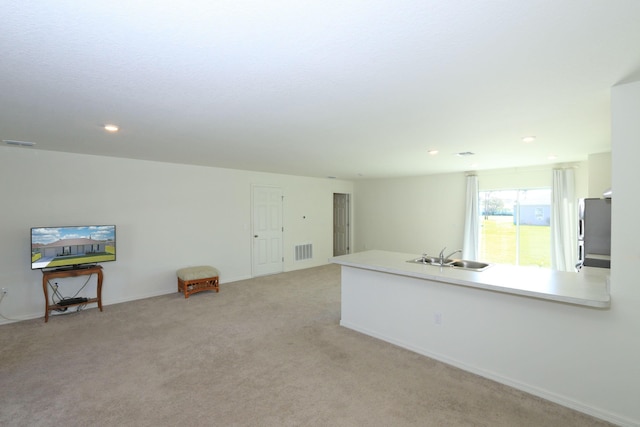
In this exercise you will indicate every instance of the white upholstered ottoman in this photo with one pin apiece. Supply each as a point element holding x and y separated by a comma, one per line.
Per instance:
<point>198,279</point>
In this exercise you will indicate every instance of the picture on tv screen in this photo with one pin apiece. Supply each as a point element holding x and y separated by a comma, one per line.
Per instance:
<point>69,247</point>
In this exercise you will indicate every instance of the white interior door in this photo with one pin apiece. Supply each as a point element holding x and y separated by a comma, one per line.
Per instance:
<point>267,230</point>
<point>340,224</point>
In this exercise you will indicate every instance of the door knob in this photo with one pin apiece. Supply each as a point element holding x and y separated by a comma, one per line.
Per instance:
<point>255,235</point>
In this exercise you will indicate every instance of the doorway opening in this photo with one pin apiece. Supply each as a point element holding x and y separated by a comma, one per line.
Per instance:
<point>341,224</point>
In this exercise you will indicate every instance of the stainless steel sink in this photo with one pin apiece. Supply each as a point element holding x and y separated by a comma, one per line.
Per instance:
<point>469,265</point>
<point>455,263</point>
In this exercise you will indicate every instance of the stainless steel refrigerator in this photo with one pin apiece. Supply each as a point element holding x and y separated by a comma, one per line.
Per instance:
<point>594,233</point>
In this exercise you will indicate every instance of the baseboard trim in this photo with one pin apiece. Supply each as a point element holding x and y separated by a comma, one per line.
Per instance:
<point>527,388</point>
<point>106,303</point>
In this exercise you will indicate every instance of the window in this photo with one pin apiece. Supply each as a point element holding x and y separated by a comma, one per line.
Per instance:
<point>515,226</point>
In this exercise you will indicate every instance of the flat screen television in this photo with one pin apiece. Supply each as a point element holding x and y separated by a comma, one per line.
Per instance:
<point>72,246</point>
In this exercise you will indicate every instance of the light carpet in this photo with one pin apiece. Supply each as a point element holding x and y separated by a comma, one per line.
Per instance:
<point>263,352</point>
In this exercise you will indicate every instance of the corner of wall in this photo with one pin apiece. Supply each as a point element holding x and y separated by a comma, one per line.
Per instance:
<point>599,167</point>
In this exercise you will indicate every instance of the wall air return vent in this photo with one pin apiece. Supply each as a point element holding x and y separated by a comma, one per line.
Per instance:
<point>303,251</point>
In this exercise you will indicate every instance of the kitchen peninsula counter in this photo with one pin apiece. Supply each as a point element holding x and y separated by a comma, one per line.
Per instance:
<point>527,327</point>
<point>589,287</point>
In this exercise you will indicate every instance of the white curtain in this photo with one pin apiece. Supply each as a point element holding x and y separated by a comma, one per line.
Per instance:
<point>564,221</point>
<point>470,245</point>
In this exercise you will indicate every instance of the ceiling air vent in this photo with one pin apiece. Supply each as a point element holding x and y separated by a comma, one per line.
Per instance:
<point>18,143</point>
<point>465,153</point>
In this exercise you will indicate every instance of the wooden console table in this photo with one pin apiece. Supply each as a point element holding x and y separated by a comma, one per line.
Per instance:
<point>52,274</point>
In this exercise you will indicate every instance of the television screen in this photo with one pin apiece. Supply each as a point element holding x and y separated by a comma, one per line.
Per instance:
<point>71,247</point>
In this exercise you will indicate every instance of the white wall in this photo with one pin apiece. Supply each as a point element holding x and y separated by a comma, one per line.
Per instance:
<point>585,358</point>
<point>425,214</point>
<point>167,216</point>
<point>514,178</point>
<point>532,177</point>
<point>413,215</point>
<point>599,174</point>
<point>621,373</point>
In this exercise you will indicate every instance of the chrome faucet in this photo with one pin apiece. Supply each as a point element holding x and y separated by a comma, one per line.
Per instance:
<point>442,257</point>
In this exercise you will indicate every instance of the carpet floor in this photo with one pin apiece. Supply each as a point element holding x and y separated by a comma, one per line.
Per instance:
<point>268,351</point>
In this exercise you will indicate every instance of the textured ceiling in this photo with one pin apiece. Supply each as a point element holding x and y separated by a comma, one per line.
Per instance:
<point>334,88</point>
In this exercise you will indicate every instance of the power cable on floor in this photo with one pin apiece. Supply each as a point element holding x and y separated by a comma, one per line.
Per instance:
<point>2,295</point>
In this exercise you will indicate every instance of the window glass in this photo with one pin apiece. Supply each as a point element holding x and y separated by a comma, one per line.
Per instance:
<point>515,226</point>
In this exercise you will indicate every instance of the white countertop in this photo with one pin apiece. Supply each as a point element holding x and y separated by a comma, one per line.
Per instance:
<point>589,287</point>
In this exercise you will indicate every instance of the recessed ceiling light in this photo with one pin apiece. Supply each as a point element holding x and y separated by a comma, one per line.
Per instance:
<point>432,152</point>
<point>111,128</point>
<point>528,139</point>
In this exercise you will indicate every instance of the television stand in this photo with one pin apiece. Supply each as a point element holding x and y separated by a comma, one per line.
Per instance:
<point>75,267</point>
<point>85,271</point>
